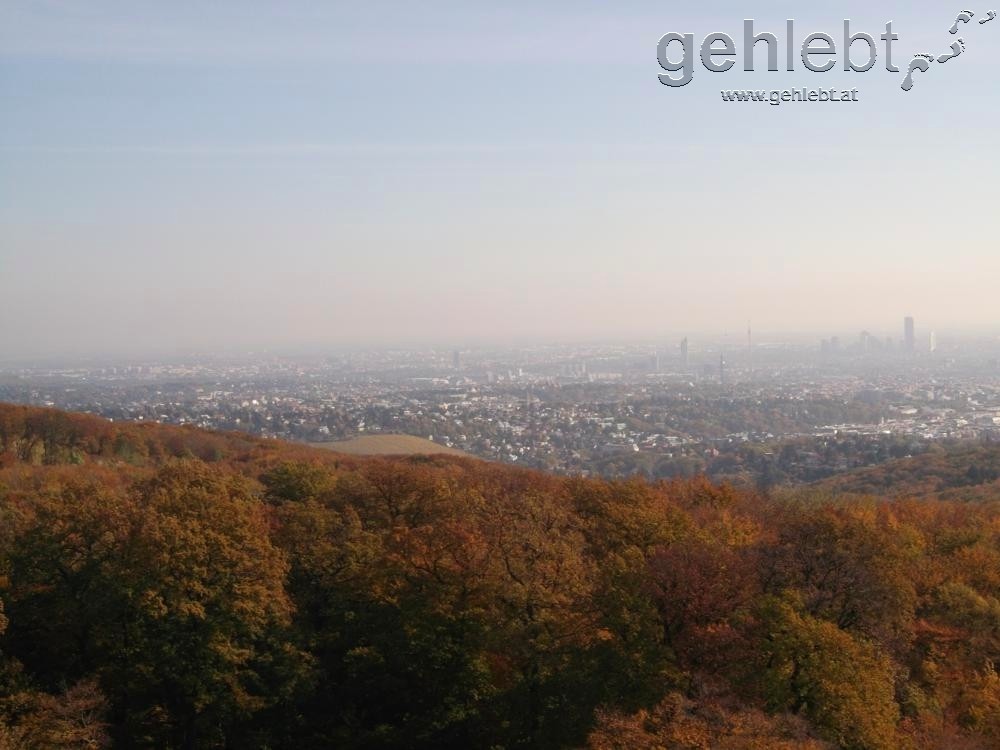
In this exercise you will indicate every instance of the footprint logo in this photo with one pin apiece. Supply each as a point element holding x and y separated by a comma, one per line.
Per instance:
<point>957,48</point>
<point>919,62</point>
<point>964,17</point>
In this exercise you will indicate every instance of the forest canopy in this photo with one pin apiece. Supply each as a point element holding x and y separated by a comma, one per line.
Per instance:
<point>170,587</point>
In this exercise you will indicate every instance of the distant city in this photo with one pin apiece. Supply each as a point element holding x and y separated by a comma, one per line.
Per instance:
<point>754,409</point>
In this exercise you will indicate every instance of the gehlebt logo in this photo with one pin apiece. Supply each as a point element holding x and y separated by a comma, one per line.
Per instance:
<point>817,52</point>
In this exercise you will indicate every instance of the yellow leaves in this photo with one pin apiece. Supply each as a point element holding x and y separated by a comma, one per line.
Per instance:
<point>979,704</point>
<point>733,530</point>
<point>678,723</point>
<point>229,650</point>
<point>188,608</point>
<point>151,602</point>
<point>72,720</point>
<point>622,515</point>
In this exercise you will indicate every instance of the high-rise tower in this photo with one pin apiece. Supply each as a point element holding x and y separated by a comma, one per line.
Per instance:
<point>909,334</point>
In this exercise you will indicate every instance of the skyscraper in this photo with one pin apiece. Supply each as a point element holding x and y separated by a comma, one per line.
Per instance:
<point>456,360</point>
<point>684,352</point>
<point>909,334</point>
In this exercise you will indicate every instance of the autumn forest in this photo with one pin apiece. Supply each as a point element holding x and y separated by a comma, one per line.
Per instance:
<point>164,587</point>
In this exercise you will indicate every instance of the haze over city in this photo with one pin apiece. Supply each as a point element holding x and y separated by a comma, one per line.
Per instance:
<point>241,176</point>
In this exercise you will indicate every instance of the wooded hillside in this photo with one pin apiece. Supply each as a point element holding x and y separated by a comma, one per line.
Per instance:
<point>167,587</point>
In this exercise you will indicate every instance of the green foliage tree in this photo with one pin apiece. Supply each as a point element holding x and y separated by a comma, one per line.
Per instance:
<point>844,686</point>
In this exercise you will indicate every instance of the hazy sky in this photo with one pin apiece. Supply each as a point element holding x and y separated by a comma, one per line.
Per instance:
<point>249,174</point>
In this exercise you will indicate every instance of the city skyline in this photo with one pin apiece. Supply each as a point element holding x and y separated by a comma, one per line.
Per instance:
<point>657,408</point>
<point>676,342</point>
<point>252,176</point>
